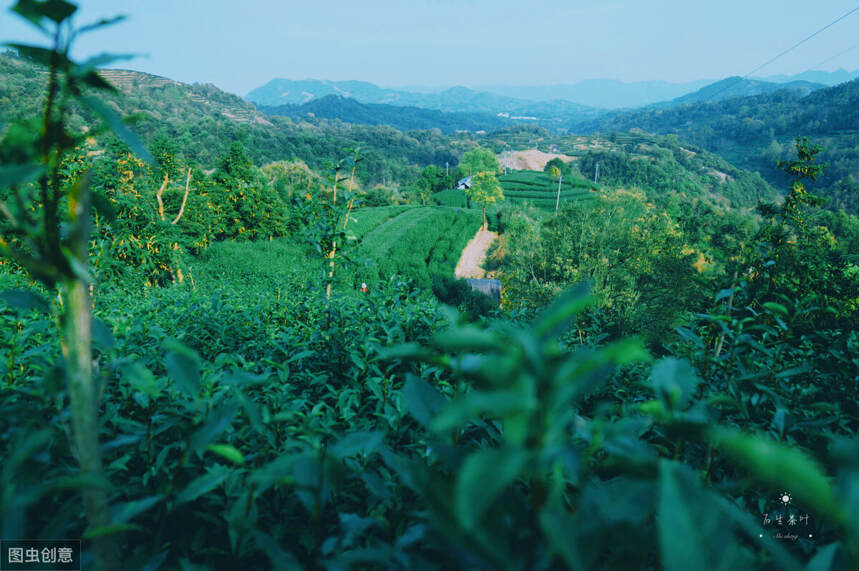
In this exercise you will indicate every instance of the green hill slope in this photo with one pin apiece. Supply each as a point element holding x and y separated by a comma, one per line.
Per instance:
<point>400,117</point>
<point>756,132</point>
<point>204,121</point>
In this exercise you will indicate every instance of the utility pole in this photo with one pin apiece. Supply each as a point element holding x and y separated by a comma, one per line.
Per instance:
<point>446,168</point>
<point>597,173</point>
<point>558,200</point>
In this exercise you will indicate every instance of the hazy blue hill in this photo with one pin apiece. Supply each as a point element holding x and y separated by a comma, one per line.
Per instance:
<point>830,78</point>
<point>400,117</point>
<point>602,93</point>
<point>295,92</point>
<point>455,99</point>
<point>740,87</point>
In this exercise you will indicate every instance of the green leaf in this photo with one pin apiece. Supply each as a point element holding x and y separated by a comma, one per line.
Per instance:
<point>92,533</point>
<point>470,406</point>
<point>561,312</point>
<point>36,10</point>
<point>104,22</point>
<point>39,55</point>
<point>422,399</point>
<point>204,484</point>
<point>102,336</point>
<point>128,511</point>
<point>217,422</point>
<point>724,294</point>
<point>689,517</point>
<point>227,452</point>
<point>468,338</point>
<point>776,307</point>
<point>281,560</point>
<point>482,477</point>
<point>183,365</point>
<point>357,442</point>
<point>674,381</point>
<point>781,467</point>
<point>140,378</point>
<point>25,300</point>
<point>825,559</point>
<point>557,526</point>
<point>13,175</point>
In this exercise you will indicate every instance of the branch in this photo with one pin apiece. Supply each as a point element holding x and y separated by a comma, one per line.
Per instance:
<point>158,196</point>
<point>184,198</point>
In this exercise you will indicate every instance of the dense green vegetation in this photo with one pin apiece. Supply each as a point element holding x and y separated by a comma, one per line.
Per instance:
<point>189,378</point>
<point>400,117</point>
<point>755,132</point>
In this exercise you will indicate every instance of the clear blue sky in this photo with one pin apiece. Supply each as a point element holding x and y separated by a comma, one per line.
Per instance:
<point>241,45</point>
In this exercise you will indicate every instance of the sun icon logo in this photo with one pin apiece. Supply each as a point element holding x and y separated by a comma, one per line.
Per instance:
<point>785,498</point>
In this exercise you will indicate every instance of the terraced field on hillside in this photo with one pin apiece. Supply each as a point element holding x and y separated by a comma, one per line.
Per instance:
<point>535,188</point>
<point>413,242</point>
<point>417,242</point>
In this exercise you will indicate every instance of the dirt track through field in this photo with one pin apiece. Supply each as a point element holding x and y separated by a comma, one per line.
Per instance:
<point>471,260</point>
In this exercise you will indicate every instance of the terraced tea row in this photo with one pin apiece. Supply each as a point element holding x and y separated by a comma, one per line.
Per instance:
<point>535,188</point>
<point>418,243</point>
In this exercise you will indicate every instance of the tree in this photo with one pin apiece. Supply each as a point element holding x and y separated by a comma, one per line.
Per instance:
<point>479,160</point>
<point>485,190</point>
<point>558,164</point>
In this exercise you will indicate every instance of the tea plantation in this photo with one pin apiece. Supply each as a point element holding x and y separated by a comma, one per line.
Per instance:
<point>536,188</point>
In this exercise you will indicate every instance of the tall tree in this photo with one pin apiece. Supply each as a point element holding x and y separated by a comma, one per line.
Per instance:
<point>479,160</point>
<point>485,190</point>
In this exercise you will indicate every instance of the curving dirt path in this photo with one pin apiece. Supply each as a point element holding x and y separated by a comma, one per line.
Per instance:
<point>471,260</point>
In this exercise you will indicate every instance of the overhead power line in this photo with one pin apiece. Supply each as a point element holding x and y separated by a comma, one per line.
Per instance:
<point>785,52</point>
<point>836,56</point>
<point>799,43</point>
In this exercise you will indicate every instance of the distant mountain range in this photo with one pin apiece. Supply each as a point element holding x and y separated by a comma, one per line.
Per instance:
<point>586,97</point>
<point>830,78</point>
<point>279,92</point>
<point>602,93</point>
<point>739,87</point>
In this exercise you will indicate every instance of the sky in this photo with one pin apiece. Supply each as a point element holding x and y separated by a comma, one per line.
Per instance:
<point>239,46</point>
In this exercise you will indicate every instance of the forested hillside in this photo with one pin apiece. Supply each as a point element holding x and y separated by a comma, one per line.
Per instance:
<point>403,118</point>
<point>756,132</point>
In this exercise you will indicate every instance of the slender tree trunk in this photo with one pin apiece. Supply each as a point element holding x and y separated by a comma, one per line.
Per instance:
<point>184,198</point>
<point>76,324</point>
<point>158,197</point>
<point>77,350</point>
